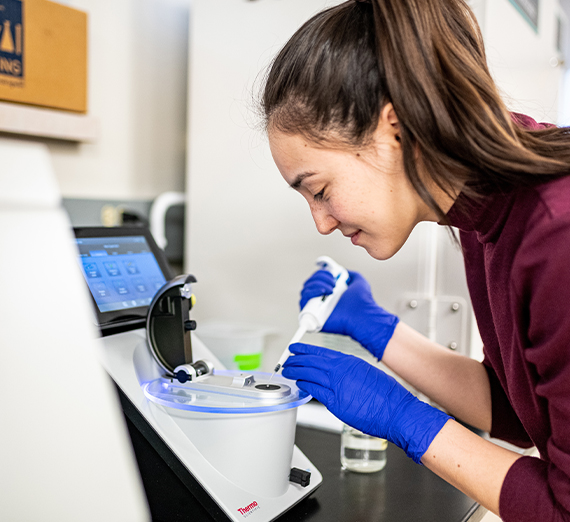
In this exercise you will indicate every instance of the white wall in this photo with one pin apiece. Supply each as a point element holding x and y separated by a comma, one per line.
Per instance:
<point>524,63</point>
<point>564,116</point>
<point>137,89</point>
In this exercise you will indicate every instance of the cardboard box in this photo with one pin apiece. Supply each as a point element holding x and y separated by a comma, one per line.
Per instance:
<point>43,54</point>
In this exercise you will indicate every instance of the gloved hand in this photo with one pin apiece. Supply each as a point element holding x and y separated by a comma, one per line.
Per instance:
<point>356,313</point>
<point>365,397</point>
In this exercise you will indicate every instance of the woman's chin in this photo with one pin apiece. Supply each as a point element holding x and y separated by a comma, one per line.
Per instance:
<point>382,252</point>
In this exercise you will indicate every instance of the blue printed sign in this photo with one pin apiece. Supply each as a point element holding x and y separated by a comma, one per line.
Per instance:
<point>11,38</point>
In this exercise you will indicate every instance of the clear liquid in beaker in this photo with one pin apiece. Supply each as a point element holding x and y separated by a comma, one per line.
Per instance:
<point>361,453</point>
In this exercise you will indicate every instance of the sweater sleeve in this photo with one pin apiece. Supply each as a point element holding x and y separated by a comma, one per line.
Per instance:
<point>537,489</point>
<point>505,423</point>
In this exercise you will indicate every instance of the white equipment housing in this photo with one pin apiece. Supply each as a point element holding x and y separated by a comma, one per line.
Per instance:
<point>242,471</point>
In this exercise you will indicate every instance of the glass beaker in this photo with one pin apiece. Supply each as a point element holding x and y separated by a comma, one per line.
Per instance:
<point>360,452</point>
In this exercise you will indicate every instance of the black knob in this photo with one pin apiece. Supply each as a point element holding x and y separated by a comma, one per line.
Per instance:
<point>182,376</point>
<point>300,476</point>
<point>190,325</point>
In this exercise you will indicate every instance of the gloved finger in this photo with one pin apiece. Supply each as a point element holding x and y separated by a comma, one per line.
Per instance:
<point>354,276</point>
<point>303,373</point>
<point>322,280</point>
<point>356,279</point>
<point>310,361</point>
<point>311,349</point>
<point>321,283</point>
<point>317,286</point>
<point>323,395</point>
<point>310,293</point>
<point>322,276</point>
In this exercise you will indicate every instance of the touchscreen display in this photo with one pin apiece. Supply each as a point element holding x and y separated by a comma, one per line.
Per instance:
<point>121,272</point>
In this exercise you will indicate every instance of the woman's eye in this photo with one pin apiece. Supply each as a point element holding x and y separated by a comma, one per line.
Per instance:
<point>319,196</point>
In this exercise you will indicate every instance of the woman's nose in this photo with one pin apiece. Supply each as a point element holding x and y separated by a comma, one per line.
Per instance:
<point>325,223</point>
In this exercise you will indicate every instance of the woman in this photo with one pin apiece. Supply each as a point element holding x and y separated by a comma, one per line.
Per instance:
<point>383,114</point>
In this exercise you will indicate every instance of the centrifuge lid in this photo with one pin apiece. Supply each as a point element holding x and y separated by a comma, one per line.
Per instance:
<point>191,397</point>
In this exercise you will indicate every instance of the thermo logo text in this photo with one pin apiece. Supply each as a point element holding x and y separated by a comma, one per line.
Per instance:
<point>248,510</point>
<point>11,39</point>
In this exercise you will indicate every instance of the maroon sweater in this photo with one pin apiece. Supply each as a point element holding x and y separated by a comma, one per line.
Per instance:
<point>517,260</point>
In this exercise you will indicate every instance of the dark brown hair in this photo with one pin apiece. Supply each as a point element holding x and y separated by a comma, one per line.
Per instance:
<point>331,80</point>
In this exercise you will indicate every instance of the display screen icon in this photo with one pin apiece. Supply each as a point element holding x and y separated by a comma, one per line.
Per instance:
<point>91,270</point>
<point>112,269</point>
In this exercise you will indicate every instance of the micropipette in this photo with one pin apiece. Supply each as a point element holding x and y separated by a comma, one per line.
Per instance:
<point>315,313</point>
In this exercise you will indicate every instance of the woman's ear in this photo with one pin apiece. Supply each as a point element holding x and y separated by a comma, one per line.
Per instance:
<point>388,114</point>
<point>389,121</point>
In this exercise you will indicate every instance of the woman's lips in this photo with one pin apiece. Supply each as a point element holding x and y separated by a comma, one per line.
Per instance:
<point>354,237</point>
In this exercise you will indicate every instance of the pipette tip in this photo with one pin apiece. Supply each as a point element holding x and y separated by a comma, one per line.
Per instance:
<point>275,370</point>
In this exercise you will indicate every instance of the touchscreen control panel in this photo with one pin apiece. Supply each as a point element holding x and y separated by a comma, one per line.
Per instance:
<point>122,272</point>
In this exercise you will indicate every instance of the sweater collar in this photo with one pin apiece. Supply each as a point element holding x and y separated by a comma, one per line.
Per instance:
<point>486,217</point>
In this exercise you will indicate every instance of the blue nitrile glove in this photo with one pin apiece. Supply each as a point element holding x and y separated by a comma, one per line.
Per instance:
<point>365,397</point>
<point>356,313</point>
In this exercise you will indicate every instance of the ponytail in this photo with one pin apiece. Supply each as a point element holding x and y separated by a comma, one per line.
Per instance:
<point>427,58</point>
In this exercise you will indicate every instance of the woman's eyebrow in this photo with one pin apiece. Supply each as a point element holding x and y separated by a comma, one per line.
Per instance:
<point>299,179</point>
